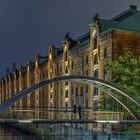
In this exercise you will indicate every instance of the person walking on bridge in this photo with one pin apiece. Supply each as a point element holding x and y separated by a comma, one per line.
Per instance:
<point>74,111</point>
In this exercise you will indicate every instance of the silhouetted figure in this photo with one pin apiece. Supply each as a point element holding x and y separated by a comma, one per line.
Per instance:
<point>74,111</point>
<point>79,111</point>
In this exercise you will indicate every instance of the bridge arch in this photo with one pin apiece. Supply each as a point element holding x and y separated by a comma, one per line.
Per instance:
<point>82,79</point>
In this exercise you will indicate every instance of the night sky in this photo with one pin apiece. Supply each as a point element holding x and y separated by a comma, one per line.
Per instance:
<point>28,27</point>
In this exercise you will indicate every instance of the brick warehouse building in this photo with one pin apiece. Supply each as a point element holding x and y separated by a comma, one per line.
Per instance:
<point>86,55</point>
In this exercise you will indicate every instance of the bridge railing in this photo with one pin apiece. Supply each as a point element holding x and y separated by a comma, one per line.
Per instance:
<point>61,115</point>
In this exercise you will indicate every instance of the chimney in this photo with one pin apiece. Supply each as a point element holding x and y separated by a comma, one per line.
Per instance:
<point>133,8</point>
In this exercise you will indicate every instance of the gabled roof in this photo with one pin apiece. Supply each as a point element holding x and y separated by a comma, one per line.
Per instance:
<point>124,15</point>
<point>84,38</point>
<point>130,24</point>
<point>107,24</point>
<point>127,21</point>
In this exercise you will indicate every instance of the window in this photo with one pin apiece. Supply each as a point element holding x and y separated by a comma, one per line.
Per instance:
<point>96,105</point>
<point>86,72</point>
<point>104,73</point>
<point>66,70</point>
<point>72,89</point>
<point>57,69</point>
<point>66,83</point>
<point>72,64</point>
<point>95,59</point>
<point>77,92</point>
<point>86,103</point>
<point>86,88</point>
<point>66,56</point>
<point>96,73</point>
<point>95,41</point>
<point>105,52</point>
<point>78,73</point>
<point>60,68</point>
<point>52,69</point>
<point>81,91</point>
<point>66,96</point>
<point>87,59</point>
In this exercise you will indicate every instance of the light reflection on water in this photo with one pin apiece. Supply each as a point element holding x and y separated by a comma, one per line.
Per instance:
<point>60,131</point>
<point>65,133</point>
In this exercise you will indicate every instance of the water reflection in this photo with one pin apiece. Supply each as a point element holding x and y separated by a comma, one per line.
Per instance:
<point>61,132</point>
<point>12,133</point>
<point>68,131</point>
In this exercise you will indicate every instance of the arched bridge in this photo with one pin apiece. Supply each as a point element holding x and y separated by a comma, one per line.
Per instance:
<point>107,87</point>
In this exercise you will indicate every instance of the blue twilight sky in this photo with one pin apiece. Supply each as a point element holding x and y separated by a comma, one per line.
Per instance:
<point>28,27</point>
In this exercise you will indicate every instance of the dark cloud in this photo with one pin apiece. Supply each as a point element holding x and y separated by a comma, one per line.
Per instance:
<point>30,26</point>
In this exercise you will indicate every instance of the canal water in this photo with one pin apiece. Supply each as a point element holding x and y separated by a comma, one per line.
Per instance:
<point>59,131</point>
<point>12,133</point>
